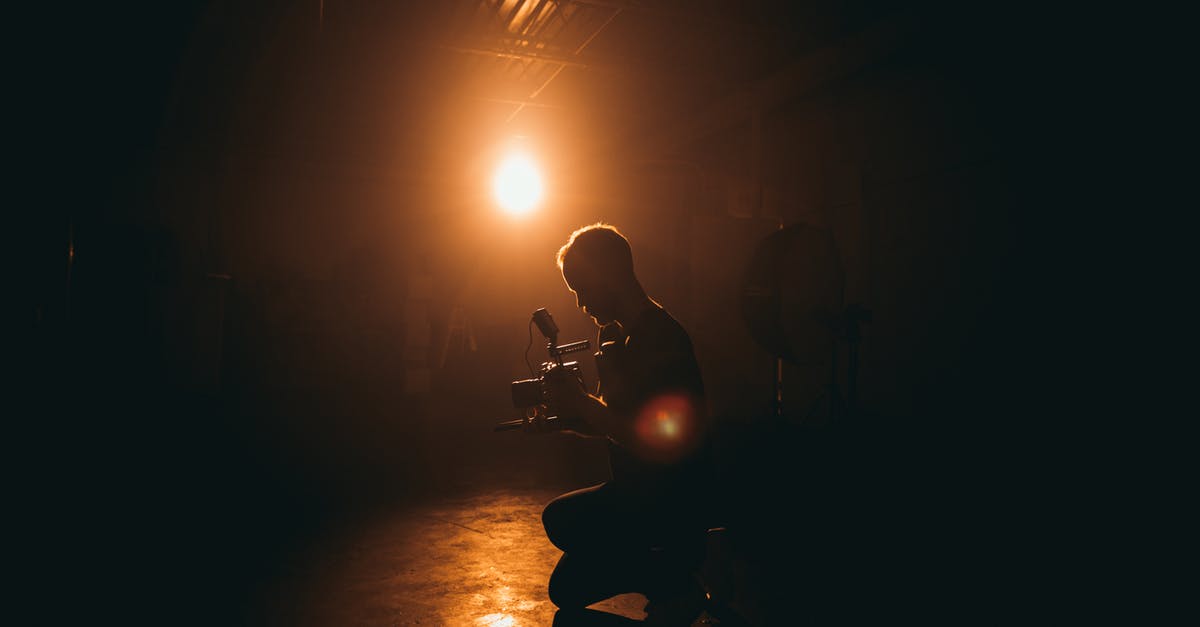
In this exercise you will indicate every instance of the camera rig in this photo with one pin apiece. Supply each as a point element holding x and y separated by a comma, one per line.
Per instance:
<point>531,395</point>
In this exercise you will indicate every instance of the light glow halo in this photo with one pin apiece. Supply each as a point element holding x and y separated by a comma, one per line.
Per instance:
<point>517,185</point>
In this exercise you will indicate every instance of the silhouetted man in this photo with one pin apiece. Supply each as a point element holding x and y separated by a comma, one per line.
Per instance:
<point>643,530</point>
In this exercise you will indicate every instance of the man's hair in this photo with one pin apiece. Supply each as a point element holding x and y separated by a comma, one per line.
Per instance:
<point>601,247</point>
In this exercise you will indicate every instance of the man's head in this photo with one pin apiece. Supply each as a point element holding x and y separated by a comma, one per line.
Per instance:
<point>597,264</point>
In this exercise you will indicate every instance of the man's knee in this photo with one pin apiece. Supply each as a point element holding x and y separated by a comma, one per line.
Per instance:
<point>575,585</point>
<point>564,595</point>
<point>572,520</point>
<point>555,522</point>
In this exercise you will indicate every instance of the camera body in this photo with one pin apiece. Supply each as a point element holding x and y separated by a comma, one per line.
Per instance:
<point>532,395</point>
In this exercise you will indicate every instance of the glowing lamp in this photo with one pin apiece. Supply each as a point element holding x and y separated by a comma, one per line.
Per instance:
<point>517,185</point>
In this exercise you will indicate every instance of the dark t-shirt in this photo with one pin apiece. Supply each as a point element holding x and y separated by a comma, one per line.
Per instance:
<point>649,375</point>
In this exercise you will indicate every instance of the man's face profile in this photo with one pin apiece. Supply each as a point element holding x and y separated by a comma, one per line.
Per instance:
<point>592,294</point>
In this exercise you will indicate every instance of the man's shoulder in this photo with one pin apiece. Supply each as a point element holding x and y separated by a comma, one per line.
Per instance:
<point>657,325</point>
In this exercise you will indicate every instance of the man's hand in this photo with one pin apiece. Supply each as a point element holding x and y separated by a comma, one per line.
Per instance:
<point>572,403</point>
<point>566,393</point>
<point>538,422</point>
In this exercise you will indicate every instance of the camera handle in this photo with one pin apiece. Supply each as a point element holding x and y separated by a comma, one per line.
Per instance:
<point>556,352</point>
<point>545,324</point>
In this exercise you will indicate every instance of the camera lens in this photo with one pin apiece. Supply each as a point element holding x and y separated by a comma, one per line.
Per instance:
<point>527,393</point>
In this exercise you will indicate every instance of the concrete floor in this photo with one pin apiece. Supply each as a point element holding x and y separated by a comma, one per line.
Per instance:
<point>479,560</point>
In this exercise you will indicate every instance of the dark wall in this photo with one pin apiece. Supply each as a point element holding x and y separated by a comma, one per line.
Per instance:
<point>921,166</point>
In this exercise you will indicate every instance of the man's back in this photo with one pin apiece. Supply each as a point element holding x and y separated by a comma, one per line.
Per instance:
<point>653,379</point>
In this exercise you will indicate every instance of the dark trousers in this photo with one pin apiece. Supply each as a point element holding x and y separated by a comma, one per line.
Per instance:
<point>616,541</point>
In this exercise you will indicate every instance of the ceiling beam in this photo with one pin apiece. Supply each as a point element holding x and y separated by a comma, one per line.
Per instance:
<point>560,68</point>
<point>523,103</point>
<point>515,54</point>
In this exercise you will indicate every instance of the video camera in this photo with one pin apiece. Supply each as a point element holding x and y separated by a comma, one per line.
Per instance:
<point>532,395</point>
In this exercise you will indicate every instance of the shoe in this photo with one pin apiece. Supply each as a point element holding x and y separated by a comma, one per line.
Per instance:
<point>678,609</point>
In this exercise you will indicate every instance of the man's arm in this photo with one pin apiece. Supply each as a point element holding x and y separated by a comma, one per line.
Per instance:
<point>577,406</point>
<point>605,421</point>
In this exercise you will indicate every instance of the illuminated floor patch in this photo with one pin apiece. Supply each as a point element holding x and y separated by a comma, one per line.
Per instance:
<point>480,561</point>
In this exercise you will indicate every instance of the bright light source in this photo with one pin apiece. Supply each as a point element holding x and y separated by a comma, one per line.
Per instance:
<point>517,185</point>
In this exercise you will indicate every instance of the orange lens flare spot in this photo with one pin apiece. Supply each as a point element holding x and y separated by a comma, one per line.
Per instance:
<point>667,427</point>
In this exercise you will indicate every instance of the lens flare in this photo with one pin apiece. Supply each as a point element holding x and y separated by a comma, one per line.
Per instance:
<point>668,427</point>
<point>517,185</point>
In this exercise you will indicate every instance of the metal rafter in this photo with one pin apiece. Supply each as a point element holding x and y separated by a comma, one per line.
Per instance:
<point>579,49</point>
<point>532,17</point>
<point>525,34</point>
<point>513,13</point>
<point>510,54</point>
<point>526,103</point>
